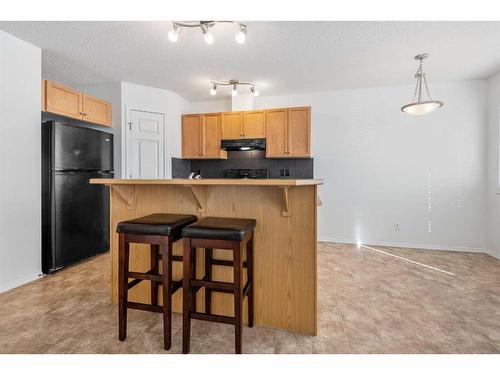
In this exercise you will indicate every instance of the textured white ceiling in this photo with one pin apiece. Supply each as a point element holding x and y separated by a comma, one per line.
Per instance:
<point>283,57</point>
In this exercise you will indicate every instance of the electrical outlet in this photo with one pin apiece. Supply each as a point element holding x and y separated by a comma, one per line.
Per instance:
<point>396,227</point>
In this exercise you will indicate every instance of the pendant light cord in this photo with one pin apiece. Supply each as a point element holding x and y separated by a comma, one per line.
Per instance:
<point>419,75</point>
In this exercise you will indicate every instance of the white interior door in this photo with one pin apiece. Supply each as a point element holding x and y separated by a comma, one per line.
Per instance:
<point>146,145</point>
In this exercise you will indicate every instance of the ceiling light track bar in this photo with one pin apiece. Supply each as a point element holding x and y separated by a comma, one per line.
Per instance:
<point>232,82</point>
<point>205,27</point>
<point>206,23</point>
<point>235,83</point>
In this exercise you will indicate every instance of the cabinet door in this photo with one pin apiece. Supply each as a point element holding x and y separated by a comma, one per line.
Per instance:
<point>211,135</point>
<point>62,100</point>
<point>231,125</point>
<point>254,124</point>
<point>276,132</point>
<point>299,132</point>
<point>191,136</point>
<point>96,110</point>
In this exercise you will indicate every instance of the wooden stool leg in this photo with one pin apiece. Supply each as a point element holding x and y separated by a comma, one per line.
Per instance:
<point>156,271</point>
<point>193,276</point>
<point>186,299</point>
<point>208,276</point>
<point>123,257</point>
<point>166,253</point>
<point>238,281</point>
<point>250,280</point>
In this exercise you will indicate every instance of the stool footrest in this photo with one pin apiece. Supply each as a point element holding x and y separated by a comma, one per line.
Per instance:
<point>213,318</point>
<point>137,280</point>
<point>226,263</point>
<point>144,276</point>
<point>176,285</point>
<point>246,288</point>
<point>212,284</point>
<point>175,258</point>
<point>144,307</point>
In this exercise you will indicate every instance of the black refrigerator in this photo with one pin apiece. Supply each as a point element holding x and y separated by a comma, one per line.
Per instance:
<point>75,214</point>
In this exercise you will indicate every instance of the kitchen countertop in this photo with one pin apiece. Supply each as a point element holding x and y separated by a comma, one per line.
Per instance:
<point>208,181</point>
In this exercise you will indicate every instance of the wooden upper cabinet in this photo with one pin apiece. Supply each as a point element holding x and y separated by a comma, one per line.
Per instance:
<point>276,132</point>
<point>62,100</point>
<point>254,124</point>
<point>96,110</point>
<point>288,132</point>
<point>211,136</point>
<point>231,125</point>
<point>191,136</point>
<point>299,132</point>
<point>201,136</point>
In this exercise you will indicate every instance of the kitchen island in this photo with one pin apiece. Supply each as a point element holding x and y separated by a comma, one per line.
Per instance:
<point>285,270</point>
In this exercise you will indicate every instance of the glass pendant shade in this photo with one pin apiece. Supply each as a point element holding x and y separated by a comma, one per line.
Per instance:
<point>422,108</point>
<point>419,106</point>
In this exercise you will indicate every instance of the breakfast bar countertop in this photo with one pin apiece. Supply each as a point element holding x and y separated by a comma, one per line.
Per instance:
<point>209,181</point>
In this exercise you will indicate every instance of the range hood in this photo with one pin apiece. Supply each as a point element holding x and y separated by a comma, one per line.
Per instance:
<point>243,144</point>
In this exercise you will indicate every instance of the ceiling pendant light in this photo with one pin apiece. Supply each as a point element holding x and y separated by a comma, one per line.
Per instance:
<point>213,90</point>
<point>234,83</point>
<point>419,105</point>
<point>173,35</point>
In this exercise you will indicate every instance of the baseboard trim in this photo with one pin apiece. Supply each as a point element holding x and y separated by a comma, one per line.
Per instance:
<point>414,246</point>
<point>15,283</point>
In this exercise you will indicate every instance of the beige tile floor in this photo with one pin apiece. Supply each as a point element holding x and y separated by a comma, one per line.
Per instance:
<point>368,302</point>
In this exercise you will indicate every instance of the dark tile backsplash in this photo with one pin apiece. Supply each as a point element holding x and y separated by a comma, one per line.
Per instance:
<point>181,168</point>
<point>278,168</point>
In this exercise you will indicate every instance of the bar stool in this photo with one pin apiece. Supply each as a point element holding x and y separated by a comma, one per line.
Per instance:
<point>160,231</point>
<point>217,233</point>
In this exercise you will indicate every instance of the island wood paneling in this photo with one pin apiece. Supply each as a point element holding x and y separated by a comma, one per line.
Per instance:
<point>285,246</point>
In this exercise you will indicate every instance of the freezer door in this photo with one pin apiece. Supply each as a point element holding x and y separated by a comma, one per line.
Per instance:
<point>81,218</point>
<point>81,148</point>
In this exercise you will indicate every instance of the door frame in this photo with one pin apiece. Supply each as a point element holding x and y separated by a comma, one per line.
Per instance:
<point>126,138</point>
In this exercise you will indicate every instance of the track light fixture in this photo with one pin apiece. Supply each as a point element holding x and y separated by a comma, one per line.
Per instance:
<point>173,35</point>
<point>420,105</point>
<point>235,83</point>
<point>213,90</point>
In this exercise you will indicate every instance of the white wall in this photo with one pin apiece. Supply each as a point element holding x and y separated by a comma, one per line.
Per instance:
<point>375,161</point>
<point>20,162</point>
<point>110,92</point>
<point>493,190</point>
<point>220,105</point>
<point>157,100</point>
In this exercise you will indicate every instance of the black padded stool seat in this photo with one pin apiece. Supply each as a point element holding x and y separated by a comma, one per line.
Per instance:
<point>156,224</point>
<point>220,228</point>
